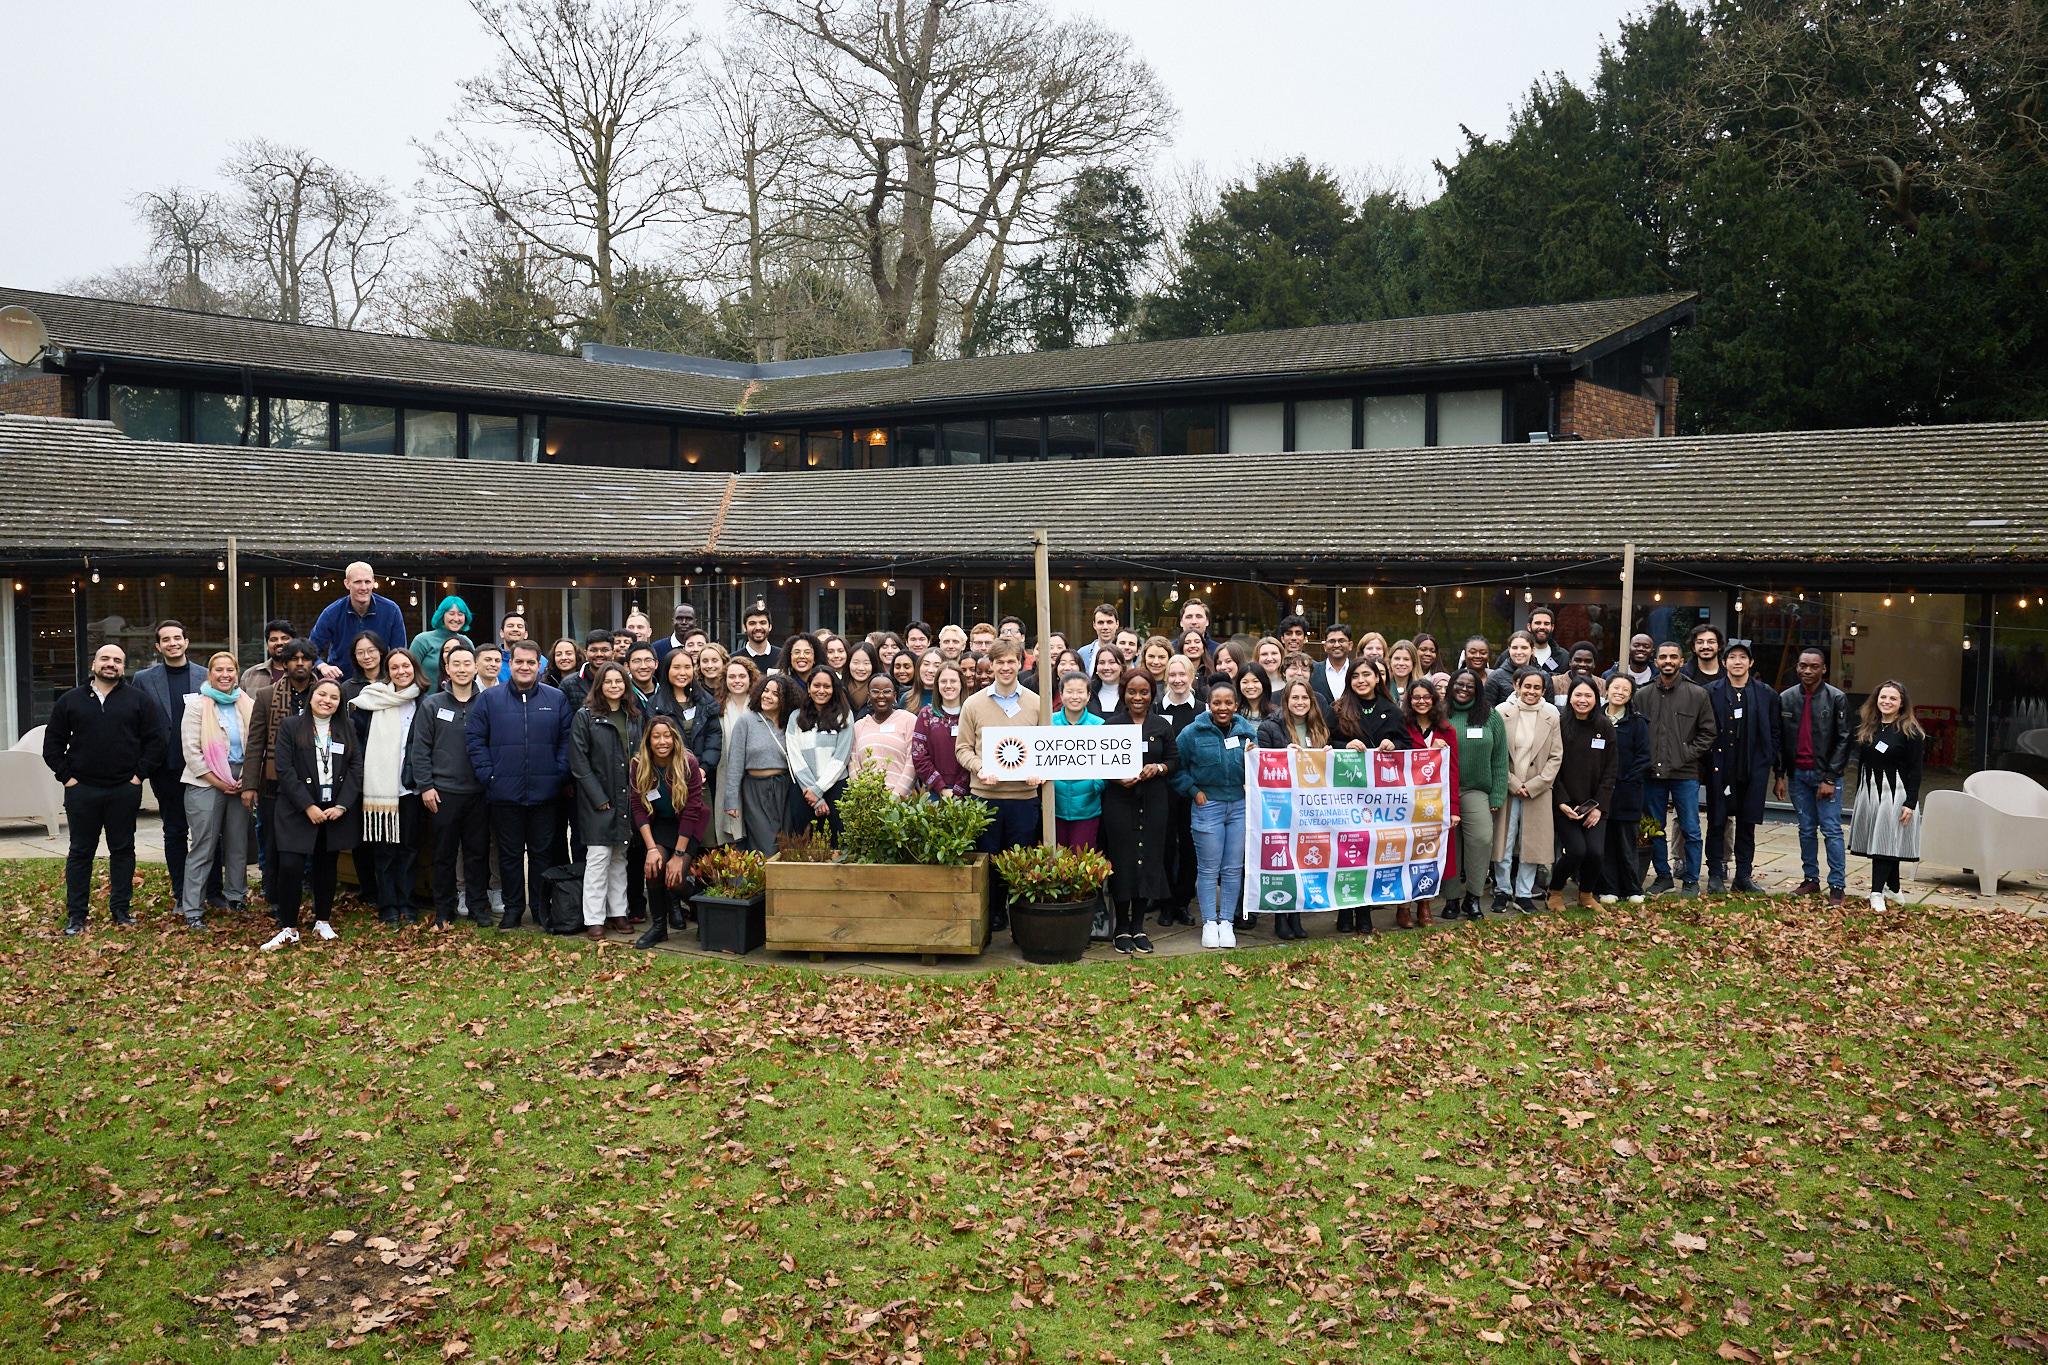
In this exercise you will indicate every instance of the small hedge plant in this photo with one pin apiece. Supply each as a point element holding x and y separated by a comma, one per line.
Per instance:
<point>1045,874</point>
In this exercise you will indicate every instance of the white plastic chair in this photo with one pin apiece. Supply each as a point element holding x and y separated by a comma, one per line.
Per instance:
<point>2034,742</point>
<point>28,789</point>
<point>1996,826</point>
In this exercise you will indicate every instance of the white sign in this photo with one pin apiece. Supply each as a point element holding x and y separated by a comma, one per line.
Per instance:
<point>1019,753</point>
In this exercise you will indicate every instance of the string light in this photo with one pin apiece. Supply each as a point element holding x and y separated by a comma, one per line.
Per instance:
<point>1656,597</point>
<point>220,565</point>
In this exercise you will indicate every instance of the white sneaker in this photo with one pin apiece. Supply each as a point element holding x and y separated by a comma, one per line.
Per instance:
<point>1877,901</point>
<point>279,939</point>
<point>325,930</point>
<point>1226,937</point>
<point>497,902</point>
<point>1208,933</point>
<point>1609,899</point>
<point>462,905</point>
<point>1635,900</point>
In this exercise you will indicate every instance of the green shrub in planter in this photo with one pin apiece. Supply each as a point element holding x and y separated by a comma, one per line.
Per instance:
<point>1053,892</point>
<point>876,826</point>
<point>730,900</point>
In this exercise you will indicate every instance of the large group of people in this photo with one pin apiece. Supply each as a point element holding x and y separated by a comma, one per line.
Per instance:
<point>500,759</point>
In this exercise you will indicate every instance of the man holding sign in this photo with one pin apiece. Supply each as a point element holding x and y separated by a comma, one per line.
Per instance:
<point>1004,702</point>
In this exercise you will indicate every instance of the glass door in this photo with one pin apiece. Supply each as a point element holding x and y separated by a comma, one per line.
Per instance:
<point>853,607</point>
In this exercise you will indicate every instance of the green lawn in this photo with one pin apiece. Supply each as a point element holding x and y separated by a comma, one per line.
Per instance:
<point>1725,1131</point>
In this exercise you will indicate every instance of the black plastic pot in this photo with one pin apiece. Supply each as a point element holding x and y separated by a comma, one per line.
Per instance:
<point>726,925</point>
<point>1052,933</point>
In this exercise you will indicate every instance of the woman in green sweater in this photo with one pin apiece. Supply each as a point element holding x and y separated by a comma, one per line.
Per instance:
<point>1482,786</point>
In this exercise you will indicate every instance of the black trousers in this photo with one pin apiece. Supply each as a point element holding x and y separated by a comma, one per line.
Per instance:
<point>1621,874</point>
<point>461,829</point>
<point>1722,811</point>
<point>266,837</point>
<point>526,842</point>
<point>392,867</point>
<point>1578,854</point>
<point>1180,853</point>
<point>92,809</point>
<point>169,786</point>
<point>1884,874</point>
<point>296,872</point>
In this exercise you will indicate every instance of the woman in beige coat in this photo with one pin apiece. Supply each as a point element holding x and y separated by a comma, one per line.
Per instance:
<point>1522,826</point>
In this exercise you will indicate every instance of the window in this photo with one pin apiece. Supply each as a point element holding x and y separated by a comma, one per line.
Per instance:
<point>1396,422</point>
<point>1322,424</point>
<point>919,445</point>
<point>1131,431</point>
<point>143,412</point>
<point>824,449</point>
<point>1070,436</point>
<point>871,448</point>
<point>495,437</point>
<point>774,450</point>
<point>707,449</point>
<point>368,430</point>
<point>1189,431</point>
<point>1016,439</point>
<point>966,442</point>
<point>1257,427</point>
<point>1468,417</point>
<point>431,434</point>
<point>218,419</point>
<point>298,423</point>
<point>614,445</point>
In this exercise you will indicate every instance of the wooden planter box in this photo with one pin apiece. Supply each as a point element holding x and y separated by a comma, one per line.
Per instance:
<point>878,908</point>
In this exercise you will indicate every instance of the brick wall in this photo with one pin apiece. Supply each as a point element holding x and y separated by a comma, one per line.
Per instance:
<point>40,395</point>
<point>1671,405</point>
<point>1593,412</point>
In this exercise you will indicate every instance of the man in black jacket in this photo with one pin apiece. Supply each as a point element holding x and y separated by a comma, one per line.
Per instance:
<point>1813,752</point>
<point>167,682</point>
<point>102,742</point>
<point>1738,767</point>
<point>438,767</point>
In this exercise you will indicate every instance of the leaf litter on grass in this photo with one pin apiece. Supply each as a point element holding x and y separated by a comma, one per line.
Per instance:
<point>1736,1130</point>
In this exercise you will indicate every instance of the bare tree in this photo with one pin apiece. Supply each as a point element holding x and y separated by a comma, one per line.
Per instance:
<point>590,95</point>
<point>934,128</point>
<point>741,187</point>
<point>191,249</point>
<point>320,241</point>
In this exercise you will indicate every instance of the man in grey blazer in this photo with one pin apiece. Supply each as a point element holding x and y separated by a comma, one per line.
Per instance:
<point>167,682</point>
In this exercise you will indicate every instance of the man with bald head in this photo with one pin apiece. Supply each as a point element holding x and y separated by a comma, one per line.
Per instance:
<point>364,609</point>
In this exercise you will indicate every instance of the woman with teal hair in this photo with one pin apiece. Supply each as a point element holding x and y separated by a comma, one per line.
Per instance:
<point>449,620</point>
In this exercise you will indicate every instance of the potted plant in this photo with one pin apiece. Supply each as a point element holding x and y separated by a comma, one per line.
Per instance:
<point>1053,892</point>
<point>906,879</point>
<point>731,884</point>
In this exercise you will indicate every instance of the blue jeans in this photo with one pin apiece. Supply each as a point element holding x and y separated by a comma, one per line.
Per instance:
<point>1822,818</point>
<point>1219,858</point>
<point>1518,882</point>
<point>1684,793</point>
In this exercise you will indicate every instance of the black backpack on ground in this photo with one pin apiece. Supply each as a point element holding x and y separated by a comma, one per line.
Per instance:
<point>563,913</point>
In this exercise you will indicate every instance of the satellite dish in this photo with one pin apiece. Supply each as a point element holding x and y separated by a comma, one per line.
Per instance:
<point>23,337</point>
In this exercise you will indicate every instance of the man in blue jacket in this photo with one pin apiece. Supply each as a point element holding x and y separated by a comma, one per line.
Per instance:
<point>519,749</point>
<point>364,608</point>
<point>1738,767</point>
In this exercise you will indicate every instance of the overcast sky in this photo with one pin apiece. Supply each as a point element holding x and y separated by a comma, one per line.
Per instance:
<point>143,94</point>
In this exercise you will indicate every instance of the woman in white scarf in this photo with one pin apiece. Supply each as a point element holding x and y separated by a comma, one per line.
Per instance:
<point>391,808</point>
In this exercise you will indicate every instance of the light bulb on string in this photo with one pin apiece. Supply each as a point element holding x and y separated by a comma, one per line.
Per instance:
<point>1557,594</point>
<point>415,600</point>
<point>1528,596</point>
<point>1656,597</point>
<point>1770,599</point>
<point>1887,601</point>
<point>1461,592</point>
<point>220,565</point>
<point>1738,604</point>
<point>96,577</point>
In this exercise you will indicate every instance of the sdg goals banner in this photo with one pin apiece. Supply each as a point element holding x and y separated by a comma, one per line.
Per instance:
<point>1333,829</point>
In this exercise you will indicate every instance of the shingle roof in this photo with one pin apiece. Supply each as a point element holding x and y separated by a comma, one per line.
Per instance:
<point>1978,494</point>
<point>328,355</point>
<point>84,487</point>
<point>317,354</point>
<point>1499,336</point>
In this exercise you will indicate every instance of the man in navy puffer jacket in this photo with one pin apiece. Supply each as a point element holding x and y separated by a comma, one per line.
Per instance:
<point>519,745</point>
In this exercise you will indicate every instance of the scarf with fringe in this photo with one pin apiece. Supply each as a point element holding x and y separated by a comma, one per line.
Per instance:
<point>384,757</point>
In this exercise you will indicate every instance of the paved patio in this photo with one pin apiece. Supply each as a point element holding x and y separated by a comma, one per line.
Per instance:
<point>1777,870</point>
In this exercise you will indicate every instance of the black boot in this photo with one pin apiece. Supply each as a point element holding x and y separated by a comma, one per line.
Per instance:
<point>1344,919</point>
<point>1294,929</point>
<point>656,931</point>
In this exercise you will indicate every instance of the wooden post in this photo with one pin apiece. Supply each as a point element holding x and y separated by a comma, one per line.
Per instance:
<point>1046,701</point>
<point>1628,598</point>
<point>234,601</point>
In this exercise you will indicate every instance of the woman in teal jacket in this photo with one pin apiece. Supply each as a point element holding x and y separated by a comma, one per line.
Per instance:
<point>450,619</point>
<point>1076,801</point>
<point>1212,750</point>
